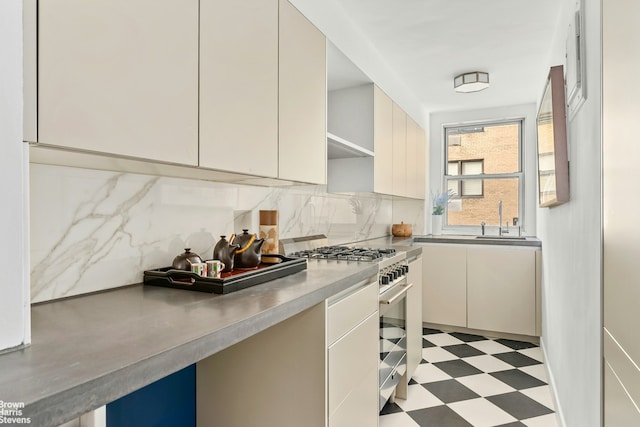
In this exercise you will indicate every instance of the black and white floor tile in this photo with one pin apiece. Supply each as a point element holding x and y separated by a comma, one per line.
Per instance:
<point>468,380</point>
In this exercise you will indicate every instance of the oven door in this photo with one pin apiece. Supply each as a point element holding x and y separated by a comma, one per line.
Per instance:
<point>393,339</point>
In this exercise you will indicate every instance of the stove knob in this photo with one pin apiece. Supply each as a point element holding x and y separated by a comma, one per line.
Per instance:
<point>391,276</point>
<point>400,271</point>
<point>384,280</point>
<point>405,268</point>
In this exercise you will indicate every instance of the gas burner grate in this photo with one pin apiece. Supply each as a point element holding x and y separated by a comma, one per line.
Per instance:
<point>345,253</point>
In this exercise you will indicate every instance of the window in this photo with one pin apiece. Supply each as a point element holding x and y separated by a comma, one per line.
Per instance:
<point>468,187</point>
<point>483,166</point>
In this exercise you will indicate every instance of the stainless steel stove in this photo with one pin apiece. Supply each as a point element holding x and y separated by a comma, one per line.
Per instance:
<point>392,264</point>
<point>392,277</point>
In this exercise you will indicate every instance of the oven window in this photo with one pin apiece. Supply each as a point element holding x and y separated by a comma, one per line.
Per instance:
<point>393,329</point>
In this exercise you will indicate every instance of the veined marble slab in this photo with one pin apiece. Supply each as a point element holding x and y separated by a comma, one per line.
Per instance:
<point>93,230</point>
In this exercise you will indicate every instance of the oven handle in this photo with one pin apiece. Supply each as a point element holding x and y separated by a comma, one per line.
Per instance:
<point>397,296</point>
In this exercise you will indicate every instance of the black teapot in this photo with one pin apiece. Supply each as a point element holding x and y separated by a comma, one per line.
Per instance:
<point>225,252</point>
<point>248,254</point>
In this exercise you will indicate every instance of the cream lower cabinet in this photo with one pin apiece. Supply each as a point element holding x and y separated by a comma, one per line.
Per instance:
<point>501,289</point>
<point>317,368</point>
<point>119,77</point>
<point>353,357</point>
<point>444,289</point>
<point>482,287</point>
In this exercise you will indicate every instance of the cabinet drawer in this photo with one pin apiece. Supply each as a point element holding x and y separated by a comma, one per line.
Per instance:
<point>351,360</point>
<point>346,313</point>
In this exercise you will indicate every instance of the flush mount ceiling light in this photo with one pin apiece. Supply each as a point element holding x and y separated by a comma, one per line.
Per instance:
<point>471,82</point>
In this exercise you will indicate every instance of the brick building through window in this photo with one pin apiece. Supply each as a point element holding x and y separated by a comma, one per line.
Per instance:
<point>483,166</point>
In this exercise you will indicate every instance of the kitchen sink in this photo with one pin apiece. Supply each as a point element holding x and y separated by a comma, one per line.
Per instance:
<point>501,237</point>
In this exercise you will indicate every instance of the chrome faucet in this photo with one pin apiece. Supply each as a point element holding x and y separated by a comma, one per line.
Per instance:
<point>499,217</point>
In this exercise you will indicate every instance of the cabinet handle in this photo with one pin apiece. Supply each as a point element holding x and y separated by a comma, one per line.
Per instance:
<point>400,294</point>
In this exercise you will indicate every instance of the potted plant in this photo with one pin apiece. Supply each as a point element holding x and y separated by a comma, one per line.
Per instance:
<point>440,200</point>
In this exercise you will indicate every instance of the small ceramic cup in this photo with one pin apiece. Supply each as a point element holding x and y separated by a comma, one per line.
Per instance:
<point>200,268</point>
<point>214,268</point>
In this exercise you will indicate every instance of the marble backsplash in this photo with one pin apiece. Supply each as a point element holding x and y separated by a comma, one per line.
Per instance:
<point>93,230</point>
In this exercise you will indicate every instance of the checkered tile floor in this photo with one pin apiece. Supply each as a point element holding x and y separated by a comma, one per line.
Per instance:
<point>468,380</point>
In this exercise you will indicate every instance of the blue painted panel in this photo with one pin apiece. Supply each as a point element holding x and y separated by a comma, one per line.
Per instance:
<point>168,402</point>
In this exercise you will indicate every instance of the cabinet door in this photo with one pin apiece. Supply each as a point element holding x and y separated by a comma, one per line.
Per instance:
<point>239,86</point>
<point>421,156</point>
<point>383,142</point>
<point>120,77</point>
<point>444,291</point>
<point>501,289</point>
<point>414,316</point>
<point>399,151</point>
<point>412,158</point>
<point>303,99</point>
<point>353,376</point>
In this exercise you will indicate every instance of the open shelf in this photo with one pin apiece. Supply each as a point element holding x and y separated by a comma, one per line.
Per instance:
<point>339,148</point>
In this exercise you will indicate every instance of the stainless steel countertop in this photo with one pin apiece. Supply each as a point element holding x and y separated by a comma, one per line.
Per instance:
<point>90,350</point>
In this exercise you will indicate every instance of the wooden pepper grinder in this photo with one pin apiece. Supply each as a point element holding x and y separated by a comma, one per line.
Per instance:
<point>269,231</point>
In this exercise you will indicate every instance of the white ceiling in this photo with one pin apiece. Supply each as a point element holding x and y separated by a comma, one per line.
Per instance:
<point>428,42</point>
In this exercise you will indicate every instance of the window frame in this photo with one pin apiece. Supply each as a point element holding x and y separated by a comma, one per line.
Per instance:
<point>519,175</point>
<point>459,192</point>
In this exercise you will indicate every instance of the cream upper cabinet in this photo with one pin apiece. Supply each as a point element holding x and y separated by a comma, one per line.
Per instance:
<point>239,86</point>
<point>120,77</point>
<point>421,157</point>
<point>383,142</point>
<point>302,151</point>
<point>501,289</point>
<point>399,151</point>
<point>444,278</point>
<point>416,160</point>
<point>412,159</point>
<point>360,137</point>
<point>373,145</point>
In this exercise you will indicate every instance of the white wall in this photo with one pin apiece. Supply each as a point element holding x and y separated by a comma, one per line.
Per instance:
<point>436,153</point>
<point>14,253</point>
<point>571,251</point>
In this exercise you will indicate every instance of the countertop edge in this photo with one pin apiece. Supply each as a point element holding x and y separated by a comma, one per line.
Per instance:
<point>65,405</point>
<point>472,240</point>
